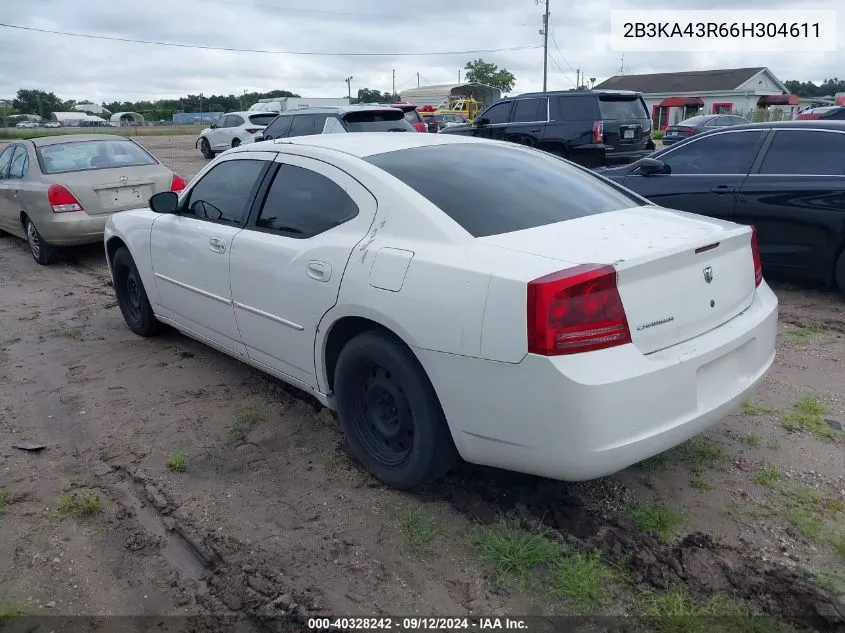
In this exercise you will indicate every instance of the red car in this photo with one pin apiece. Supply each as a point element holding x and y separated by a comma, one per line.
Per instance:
<point>412,116</point>
<point>826,113</point>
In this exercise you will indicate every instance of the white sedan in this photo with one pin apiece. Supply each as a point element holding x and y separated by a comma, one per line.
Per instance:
<point>451,296</point>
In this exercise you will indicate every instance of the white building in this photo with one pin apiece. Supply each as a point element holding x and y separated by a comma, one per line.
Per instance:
<point>673,97</point>
<point>68,119</point>
<point>93,108</point>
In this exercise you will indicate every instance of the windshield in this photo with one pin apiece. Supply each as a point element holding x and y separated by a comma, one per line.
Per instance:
<point>531,188</point>
<point>85,155</point>
<point>377,121</point>
<point>696,120</point>
<point>262,119</point>
<point>614,108</point>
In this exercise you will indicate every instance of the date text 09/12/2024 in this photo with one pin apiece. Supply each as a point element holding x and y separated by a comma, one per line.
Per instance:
<point>383,623</point>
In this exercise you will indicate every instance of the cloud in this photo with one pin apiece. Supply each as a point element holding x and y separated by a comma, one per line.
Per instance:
<point>80,68</point>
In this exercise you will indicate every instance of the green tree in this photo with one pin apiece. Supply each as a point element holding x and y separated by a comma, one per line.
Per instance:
<point>36,102</point>
<point>479,71</point>
<point>367,95</point>
<point>827,88</point>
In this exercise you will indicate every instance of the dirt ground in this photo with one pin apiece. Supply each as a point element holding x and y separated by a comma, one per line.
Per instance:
<point>176,481</point>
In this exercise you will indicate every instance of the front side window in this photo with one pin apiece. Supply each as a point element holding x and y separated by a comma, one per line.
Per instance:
<point>302,203</point>
<point>224,193</point>
<point>304,125</point>
<point>279,128</point>
<point>720,153</point>
<point>497,113</point>
<point>85,155</point>
<point>531,188</point>
<point>235,121</point>
<point>812,152</point>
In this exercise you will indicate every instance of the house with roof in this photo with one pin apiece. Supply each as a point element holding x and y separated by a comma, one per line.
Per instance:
<point>673,97</point>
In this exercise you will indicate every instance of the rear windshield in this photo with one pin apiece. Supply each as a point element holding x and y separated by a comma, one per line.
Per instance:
<point>262,119</point>
<point>85,155</point>
<point>530,188</point>
<point>614,108</point>
<point>377,121</point>
<point>412,117</point>
<point>696,120</point>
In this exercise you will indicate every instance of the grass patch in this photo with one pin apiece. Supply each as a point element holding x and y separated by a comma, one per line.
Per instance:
<point>768,475</point>
<point>513,553</point>
<point>675,611</point>
<point>244,423</point>
<point>753,409</point>
<point>774,445</point>
<point>806,332</point>
<point>697,454</point>
<point>9,612</point>
<point>582,578</point>
<point>838,542</point>
<point>657,462</point>
<point>178,462</point>
<point>834,582</point>
<point>808,510</point>
<point>75,334</point>
<point>753,441</point>
<point>335,461</point>
<point>419,529</point>
<point>31,316</point>
<point>297,429</point>
<point>4,498</point>
<point>808,415</point>
<point>80,506</point>
<point>701,484</point>
<point>660,520</point>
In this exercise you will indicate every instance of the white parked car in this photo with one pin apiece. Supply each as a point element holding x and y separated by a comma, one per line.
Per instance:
<point>52,124</point>
<point>26,125</point>
<point>451,296</point>
<point>233,129</point>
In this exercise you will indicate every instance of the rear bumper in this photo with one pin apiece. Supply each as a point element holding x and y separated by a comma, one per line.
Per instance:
<point>71,229</point>
<point>589,415</point>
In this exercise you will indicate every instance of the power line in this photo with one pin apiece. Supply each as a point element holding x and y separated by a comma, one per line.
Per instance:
<point>559,52</point>
<point>263,51</point>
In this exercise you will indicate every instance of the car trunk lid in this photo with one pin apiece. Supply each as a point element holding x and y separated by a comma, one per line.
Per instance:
<point>679,275</point>
<point>625,121</point>
<point>105,191</point>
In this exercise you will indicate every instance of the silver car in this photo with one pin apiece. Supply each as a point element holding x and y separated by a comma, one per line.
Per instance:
<point>58,190</point>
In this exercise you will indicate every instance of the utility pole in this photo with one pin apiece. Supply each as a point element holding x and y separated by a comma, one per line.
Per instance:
<point>459,76</point>
<point>348,81</point>
<point>545,32</point>
<point>394,84</point>
<point>577,78</point>
<point>418,80</point>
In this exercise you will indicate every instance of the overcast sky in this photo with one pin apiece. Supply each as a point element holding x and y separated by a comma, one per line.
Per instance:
<point>76,68</point>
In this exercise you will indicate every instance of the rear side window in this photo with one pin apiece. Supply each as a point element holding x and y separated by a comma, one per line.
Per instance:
<point>306,124</point>
<point>377,121</point>
<point>580,108</point>
<point>85,155</point>
<point>531,188</point>
<point>530,110</point>
<point>615,109</point>
<point>810,152</point>
<point>720,153</point>
<point>262,119</point>
<point>20,163</point>
<point>279,128</point>
<point>6,160</point>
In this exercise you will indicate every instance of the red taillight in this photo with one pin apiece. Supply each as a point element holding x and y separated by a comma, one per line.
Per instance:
<point>688,130</point>
<point>598,132</point>
<point>420,127</point>
<point>62,200</point>
<point>808,117</point>
<point>177,183</point>
<point>755,252</point>
<point>253,130</point>
<point>576,310</point>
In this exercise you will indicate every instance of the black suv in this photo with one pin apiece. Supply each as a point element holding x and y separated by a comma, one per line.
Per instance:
<point>337,119</point>
<point>593,128</point>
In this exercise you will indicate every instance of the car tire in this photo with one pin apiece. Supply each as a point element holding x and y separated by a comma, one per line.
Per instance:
<point>42,252</point>
<point>390,413</point>
<point>839,273</point>
<point>205,148</point>
<point>132,297</point>
<point>236,143</point>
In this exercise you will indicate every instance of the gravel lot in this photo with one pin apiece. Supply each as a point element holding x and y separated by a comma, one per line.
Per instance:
<point>176,480</point>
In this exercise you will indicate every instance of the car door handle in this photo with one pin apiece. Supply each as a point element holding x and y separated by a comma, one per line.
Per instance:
<point>536,130</point>
<point>722,189</point>
<point>217,245</point>
<point>321,271</point>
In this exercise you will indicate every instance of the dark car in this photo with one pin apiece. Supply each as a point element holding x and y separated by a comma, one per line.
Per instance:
<point>335,119</point>
<point>826,113</point>
<point>592,128</point>
<point>786,178</point>
<point>699,124</point>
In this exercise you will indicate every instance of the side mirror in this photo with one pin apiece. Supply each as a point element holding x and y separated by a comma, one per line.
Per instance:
<point>652,167</point>
<point>213,126</point>
<point>164,202</point>
<point>482,121</point>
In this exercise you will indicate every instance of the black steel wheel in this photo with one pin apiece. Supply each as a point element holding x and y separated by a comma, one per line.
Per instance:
<point>390,413</point>
<point>205,148</point>
<point>131,296</point>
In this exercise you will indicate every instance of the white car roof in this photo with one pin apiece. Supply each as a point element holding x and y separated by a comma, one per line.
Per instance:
<point>363,144</point>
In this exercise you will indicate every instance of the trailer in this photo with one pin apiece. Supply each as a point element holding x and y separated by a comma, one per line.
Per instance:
<point>283,104</point>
